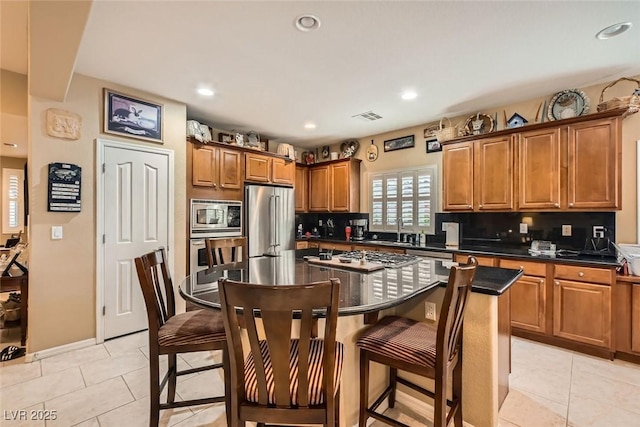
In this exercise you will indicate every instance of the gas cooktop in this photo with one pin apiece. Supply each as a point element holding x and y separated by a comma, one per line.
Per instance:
<point>388,259</point>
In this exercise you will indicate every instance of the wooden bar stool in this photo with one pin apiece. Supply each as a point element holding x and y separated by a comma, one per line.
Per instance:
<point>280,379</point>
<point>430,351</point>
<point>223,251</point>
<point>171,334</point>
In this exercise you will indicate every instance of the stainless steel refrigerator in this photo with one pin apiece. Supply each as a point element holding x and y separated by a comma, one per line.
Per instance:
<point>270,219</point>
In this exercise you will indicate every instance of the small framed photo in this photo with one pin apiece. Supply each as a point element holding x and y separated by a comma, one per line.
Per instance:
<point>399,143</point>
<point>433,145</point>
<point>132,117</point>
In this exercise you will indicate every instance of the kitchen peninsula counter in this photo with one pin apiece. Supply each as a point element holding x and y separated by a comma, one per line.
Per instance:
<point>400,290</point>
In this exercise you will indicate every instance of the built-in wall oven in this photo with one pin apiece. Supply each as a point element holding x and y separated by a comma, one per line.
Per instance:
<point>211,219</point>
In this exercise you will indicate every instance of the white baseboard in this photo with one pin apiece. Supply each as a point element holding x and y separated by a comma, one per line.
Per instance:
<point>53,351</point>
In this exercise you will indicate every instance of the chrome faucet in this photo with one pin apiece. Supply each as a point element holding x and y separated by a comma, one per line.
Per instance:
<point>400,225</point>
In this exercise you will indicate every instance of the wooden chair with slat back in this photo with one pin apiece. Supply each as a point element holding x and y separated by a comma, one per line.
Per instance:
<point>261,389</point>
<point>430,351</point>
<point>223,251</point>
<point>171,333</point>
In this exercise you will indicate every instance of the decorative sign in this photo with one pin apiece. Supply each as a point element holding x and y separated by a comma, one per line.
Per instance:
<point>399,143</point>
<point>64,187</point>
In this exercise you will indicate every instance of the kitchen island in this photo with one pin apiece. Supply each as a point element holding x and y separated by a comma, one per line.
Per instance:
<point>398,290</point>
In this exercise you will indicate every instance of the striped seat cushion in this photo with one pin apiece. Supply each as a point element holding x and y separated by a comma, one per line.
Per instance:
<point>192,327</point>
<point>401,339</point>
<point>316,352</point>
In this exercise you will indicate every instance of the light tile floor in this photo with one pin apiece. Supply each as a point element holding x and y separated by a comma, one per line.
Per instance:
<point>107,385</point>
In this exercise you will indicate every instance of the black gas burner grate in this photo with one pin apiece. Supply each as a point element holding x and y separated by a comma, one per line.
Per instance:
<point>388,259</point>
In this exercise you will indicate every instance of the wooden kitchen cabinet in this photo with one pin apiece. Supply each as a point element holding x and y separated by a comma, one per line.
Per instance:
<point>478,175</point>
<point>594,157</point>
<point>493,174</point>
<point>528,295</point>
<point>539,169</point>
<point>626,295</point>
<point>218,168</point>
<point>266,169</point>
<point>482,260</point>
<point>319,189</point>
<point>283,171</point>
<point>564,165</point>
<point>301,187</point>
<point>457,183</point>
<point>335,186</point>
<point>582,312</point>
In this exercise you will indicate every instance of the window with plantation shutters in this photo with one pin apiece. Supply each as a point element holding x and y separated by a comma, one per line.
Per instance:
<point>12,200</point>
<point>406,194</point>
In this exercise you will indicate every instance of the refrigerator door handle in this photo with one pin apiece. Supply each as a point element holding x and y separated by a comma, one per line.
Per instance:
<point>277,226</point>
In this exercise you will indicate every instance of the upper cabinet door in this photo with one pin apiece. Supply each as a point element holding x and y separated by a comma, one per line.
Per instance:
<point>340,187</point>
<point>539,171</point>
<point>203,167</point>
<point>457,183</point>
<point>283,171</point>
<point>257,167</point>
<point>319,189</point>
<point>230,164</point>
<point>594,158</point>
<point>301,188</point>
<point>493,180</point>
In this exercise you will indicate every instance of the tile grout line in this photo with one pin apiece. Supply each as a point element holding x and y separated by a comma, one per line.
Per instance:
<point>566,419</point>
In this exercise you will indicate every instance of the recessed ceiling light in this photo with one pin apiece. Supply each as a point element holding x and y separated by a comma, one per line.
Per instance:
<point>307,23</point>
<point>205,92</point>
<point>309,125</point>
<point>614,30</point>
<point>11,145</point>
<point>408,95</point>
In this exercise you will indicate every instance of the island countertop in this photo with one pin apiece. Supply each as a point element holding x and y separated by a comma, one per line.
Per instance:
<point>359,292</point>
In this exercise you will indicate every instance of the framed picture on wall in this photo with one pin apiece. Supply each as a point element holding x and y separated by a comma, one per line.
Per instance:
<point>433,145</point>
<point>132,117</point>
<point>399,143</point>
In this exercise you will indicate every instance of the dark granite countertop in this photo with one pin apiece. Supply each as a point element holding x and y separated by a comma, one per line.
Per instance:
<point>567,257</point>
<point>359,292</point>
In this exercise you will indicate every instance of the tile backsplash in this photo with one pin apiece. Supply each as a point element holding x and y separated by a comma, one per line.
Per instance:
<point>503,229</point>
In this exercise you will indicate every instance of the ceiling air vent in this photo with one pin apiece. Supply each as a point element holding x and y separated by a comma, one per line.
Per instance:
<point>368,115</point>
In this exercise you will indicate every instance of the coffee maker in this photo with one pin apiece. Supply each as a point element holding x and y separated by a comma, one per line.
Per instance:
<point>359,228</point>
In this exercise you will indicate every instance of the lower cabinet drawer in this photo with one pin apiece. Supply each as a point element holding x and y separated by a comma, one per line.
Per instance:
<point>530,268</point>
<point>584,274</point>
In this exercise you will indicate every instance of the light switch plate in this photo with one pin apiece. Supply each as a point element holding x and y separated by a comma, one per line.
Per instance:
<point>566,230</point>
<point>56,232</point>
<point>524,228</point>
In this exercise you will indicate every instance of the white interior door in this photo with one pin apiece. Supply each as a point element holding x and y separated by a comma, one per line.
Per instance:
<point>136,211</point>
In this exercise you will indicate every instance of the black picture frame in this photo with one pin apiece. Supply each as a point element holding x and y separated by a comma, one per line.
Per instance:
<point>399,143</point>
<point>433,145</point>
<point>132,117</point>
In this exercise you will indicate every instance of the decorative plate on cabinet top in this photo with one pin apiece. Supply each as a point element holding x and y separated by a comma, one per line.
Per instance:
<point>478,124</point>
<point>349,148</point>
<point>568,103</point>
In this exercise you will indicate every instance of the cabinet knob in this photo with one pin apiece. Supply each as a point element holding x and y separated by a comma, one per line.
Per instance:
<point>479,206</point>
<point>580,273</point>
<point>215,185</point>
<point>521,267</point>
<point>557,205</point>
<point>541,281</point>
<point>470,206</point>
<point>555,282</point>
<point>570,205</point>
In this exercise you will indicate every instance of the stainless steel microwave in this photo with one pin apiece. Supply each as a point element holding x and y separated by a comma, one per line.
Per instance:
<point>216,218</point>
